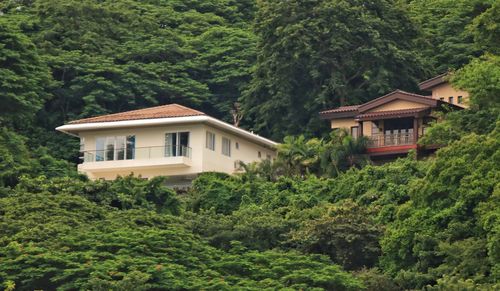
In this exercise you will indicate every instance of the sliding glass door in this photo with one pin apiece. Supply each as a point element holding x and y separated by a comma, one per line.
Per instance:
<point>176,144</point>
<point>113,148</point>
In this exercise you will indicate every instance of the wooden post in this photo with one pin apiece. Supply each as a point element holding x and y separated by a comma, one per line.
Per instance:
<point>415,130</point>
<point>415,135</point>
<point>360,124</point>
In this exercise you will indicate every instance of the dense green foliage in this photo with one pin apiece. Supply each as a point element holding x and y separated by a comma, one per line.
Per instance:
<point>320,216</point>
<point>81,245</point>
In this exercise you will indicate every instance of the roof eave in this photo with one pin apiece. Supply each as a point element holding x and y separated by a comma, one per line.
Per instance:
<point>337,115</point>
<point>73,129</point>
<point>432,82</point>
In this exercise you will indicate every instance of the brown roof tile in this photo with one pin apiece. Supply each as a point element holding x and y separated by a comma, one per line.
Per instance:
<point>164,111</point>
<point>341,109</point>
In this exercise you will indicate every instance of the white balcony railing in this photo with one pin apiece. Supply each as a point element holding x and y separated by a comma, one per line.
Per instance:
<point>393,139</point>
<point>140,153</point>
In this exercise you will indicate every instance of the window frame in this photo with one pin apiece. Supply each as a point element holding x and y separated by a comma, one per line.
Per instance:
<point>357,131</point>
<point>224,146</point>
<point>210,140</point>
<point>177,143</point>
<point>104,151</point>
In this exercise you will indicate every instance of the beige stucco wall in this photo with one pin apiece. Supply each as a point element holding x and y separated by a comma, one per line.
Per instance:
<point>445,91</point>
<point>147,137</point>
<point>201,160</point>
<point>247,152</point>
<point>397,105</point>
<point>367,128</point>
<point>343,123</point>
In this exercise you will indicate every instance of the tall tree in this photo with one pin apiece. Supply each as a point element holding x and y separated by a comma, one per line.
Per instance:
<point>322,53</point>
<point>23,75</point>
<point>445,40</point>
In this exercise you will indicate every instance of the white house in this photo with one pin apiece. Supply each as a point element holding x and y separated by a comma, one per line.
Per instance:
<point>170,140</point>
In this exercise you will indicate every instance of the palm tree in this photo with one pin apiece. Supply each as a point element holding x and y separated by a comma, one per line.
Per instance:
<point>298,156</point>
<point>342,152</point>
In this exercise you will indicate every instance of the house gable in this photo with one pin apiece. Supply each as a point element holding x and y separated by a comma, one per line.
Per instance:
<point>398,100</point>
<point>397,104</point>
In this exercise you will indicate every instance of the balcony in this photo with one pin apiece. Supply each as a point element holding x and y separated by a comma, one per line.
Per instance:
<point>393,143</point>
<point>136,158</point>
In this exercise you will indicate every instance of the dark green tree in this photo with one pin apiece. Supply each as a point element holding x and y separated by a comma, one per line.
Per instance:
<point>318,54</point>
<point>24,77</point>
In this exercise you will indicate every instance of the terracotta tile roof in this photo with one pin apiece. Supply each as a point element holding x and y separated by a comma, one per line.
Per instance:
<point>164,111</point>
<point>391,113</point>
<point>434,81</point>
<point>341,109</point>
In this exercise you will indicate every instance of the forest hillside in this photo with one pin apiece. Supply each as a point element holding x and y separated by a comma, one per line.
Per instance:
<point>319,217</point>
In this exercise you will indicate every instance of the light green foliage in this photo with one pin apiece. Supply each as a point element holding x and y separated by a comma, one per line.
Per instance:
<point>327,157</point>
<point>455,125</point>
<point>439,231</point>
<point>122,193</point>
<point>481,78</point>
<point>375,280</point>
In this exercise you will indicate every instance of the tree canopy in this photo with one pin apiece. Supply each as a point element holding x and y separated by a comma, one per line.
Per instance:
<point>320,216</point>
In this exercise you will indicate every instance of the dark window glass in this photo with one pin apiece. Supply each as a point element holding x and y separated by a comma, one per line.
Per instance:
<point>99,146</point>
<point>130,147</point>
<point>110,148</point>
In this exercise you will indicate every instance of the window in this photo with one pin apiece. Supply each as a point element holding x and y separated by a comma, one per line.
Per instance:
<point>450,99</point>
<point>210,142</point>
<point>354,131</point>
<point>226,146</point>
<point>441,98</point>
<point>99,147</point>
<point>130,147</point>
<point>268,156</point>
<point>237,145</point>
<point>82,144</point>
<point>115,148</point>
<point>259,154</point>
<point>177,144</point>
<point>110,149</point>
<point>120,147</point>
<point>459,99</point>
